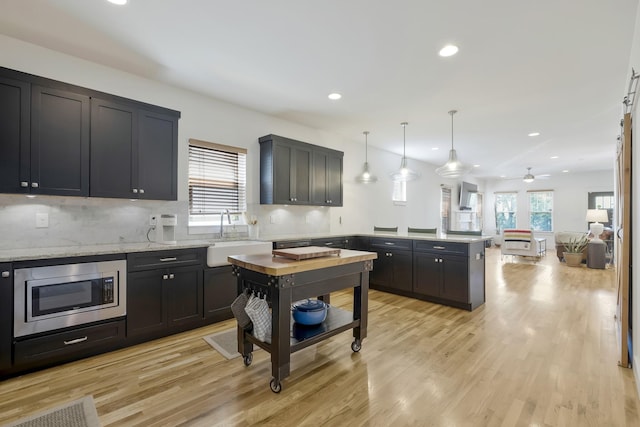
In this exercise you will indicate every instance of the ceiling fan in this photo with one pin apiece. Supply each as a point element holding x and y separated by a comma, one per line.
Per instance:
<point>529,177</point>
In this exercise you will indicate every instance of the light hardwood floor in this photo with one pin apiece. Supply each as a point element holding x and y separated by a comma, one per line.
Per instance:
<point>541,351</point>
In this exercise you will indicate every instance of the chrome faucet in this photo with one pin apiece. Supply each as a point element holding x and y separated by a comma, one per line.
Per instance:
<point>222,220</point>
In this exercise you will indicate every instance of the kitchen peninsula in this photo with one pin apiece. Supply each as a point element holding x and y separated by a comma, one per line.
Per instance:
<point>285,281</point>
<point>447,270</point>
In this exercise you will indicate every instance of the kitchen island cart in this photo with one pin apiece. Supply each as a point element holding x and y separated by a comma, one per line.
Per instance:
<point>283,281</point>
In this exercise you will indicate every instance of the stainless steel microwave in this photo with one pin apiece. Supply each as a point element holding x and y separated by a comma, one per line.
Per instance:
<point>58,296</point>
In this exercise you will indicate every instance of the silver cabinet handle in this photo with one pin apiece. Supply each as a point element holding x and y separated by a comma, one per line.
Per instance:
<point>142,191</point>
<point>328,244</point>
<point>24,184</point>
<point>171,276</point>
<point>439,247</point>
<point>389,243</point>
<point>165,276</point>
<point>168,259</point>
<point>76,341</point>
<point>135,191</point>
<point>34,184</point>
<point>6,274</point>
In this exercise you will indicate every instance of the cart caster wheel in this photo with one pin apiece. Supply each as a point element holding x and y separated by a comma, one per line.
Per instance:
<point>356,345</point>
<point>275,387</point>
<point>247,359</point>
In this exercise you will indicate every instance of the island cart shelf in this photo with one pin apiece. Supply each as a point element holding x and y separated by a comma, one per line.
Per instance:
<point>285,281</point>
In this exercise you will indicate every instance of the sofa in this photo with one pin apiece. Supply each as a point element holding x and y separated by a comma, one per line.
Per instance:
<point>519,243</point>
<point>562,237</point>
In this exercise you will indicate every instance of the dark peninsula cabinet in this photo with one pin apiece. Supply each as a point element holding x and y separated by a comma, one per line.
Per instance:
<point>296,173</point>
<point>449,272</point>
<point>392,270</point>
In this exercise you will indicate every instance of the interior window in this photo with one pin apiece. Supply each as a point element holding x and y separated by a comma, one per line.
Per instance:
<point>506,211</point>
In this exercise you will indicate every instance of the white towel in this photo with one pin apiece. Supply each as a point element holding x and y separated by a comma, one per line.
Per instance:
<point>517,245</point>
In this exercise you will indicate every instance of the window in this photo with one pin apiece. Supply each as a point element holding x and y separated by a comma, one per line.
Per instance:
<point>506,210</point>
<point>217,180</point>
<point>541,210</point>
<point>399,195</point>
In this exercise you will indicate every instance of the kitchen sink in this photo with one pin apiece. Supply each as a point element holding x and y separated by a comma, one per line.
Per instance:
<point>218,252</point>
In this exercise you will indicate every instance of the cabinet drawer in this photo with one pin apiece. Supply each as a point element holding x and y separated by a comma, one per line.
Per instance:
<point>286,244</point>
<point>441,247</point>
<point>160,259</point>
<point>400,244</point>
<point>336,242</point>
<point>69,344</point>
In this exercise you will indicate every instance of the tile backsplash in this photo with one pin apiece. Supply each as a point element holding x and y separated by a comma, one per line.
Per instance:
<point>72,221</point>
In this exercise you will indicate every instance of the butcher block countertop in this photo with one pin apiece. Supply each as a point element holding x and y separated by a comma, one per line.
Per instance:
<point>280,266</point>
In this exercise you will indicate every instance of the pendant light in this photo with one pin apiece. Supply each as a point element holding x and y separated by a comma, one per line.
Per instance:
<point>453,168</point>
<point>404,173</point>
<point>365,177</point>
<point>528,178</point>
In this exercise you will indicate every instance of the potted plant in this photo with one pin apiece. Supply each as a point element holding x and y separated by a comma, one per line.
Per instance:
<point>573,250</point>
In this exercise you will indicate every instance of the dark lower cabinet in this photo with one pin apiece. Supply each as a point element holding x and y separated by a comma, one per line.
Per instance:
<point>392,270</point>
<point>6,314</point>
<point>220,289</point>
<point>69,345</point>
<point>164,292</point>
<point>450,273</point>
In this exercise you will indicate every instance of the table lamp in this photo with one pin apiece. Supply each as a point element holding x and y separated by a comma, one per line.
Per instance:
<point>594,216</point>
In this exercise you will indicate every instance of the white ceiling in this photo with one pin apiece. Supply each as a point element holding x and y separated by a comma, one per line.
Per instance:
<point>556,67</point>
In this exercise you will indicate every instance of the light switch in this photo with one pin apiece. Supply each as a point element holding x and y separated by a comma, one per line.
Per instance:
<point>42,220</point>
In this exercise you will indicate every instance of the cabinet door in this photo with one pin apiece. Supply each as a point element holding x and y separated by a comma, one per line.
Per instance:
<point>455,279</point>
<point>59,142</point>
<point>220,289</point>
<point>146,313</point>
<point>157,156</point>
<point>427,274</point>
<point>382,273</point>
<point>283,158</point>
<point>14,136</point>
<point>113,133</point>
<point>184,295</point>
<point>301,175</point>
<point>334,180</point>
<point>402,262</point>
<point>319,178</point>
<point>6,316</point>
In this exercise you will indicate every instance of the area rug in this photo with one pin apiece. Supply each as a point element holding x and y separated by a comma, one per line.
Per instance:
<point>79,413</point>
<point>226,342</point>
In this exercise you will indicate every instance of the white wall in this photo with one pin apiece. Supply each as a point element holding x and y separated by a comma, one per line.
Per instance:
<point>569,198</point>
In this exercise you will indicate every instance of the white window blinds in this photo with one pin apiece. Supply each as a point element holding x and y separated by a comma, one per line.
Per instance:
<point>217,178</point>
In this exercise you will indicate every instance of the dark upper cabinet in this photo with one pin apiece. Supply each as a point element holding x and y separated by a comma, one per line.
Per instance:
<point>6,316</point>
<point>327,177</point>
<point>157,156</point>
<point>296,173</point>
<point>133,152</point>
<point>113,134</point>
<point>61,139</point>
<point>14,134</point>
<point>44,140</point>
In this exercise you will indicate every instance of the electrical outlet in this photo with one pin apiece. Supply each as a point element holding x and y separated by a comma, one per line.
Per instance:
<point>273,219</point>
<point>153,220</point>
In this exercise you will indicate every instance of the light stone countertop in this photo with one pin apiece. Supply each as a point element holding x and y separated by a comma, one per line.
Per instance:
<point>24,254</point>
<point>411,236</point>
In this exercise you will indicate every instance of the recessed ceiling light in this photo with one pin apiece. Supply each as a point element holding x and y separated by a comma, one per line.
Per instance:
<point>335,96</point>
<point>448,50</point>
<point>554,157</point>
<point>476,166</point>
<point>565,171</point>
<point>503,176</point>
<point>435,148</point>
<point>534,134</point>
<point>118,2</point>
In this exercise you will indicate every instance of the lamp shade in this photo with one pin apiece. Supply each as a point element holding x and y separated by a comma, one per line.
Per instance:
<point>597,215</point>
<point>454,168</point>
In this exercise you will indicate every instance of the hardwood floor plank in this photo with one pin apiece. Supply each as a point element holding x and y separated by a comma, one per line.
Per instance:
<point>541,351</point>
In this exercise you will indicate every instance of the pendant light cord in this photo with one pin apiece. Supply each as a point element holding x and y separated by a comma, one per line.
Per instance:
<point>404,139</point>
<point>451,113</point>
<point>366,146</point>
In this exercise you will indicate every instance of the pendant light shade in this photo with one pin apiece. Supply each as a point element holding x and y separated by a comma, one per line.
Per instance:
<point>528,178</point>
<point>454,168</point>
<point>404,173</point>
<point>366,177</point>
